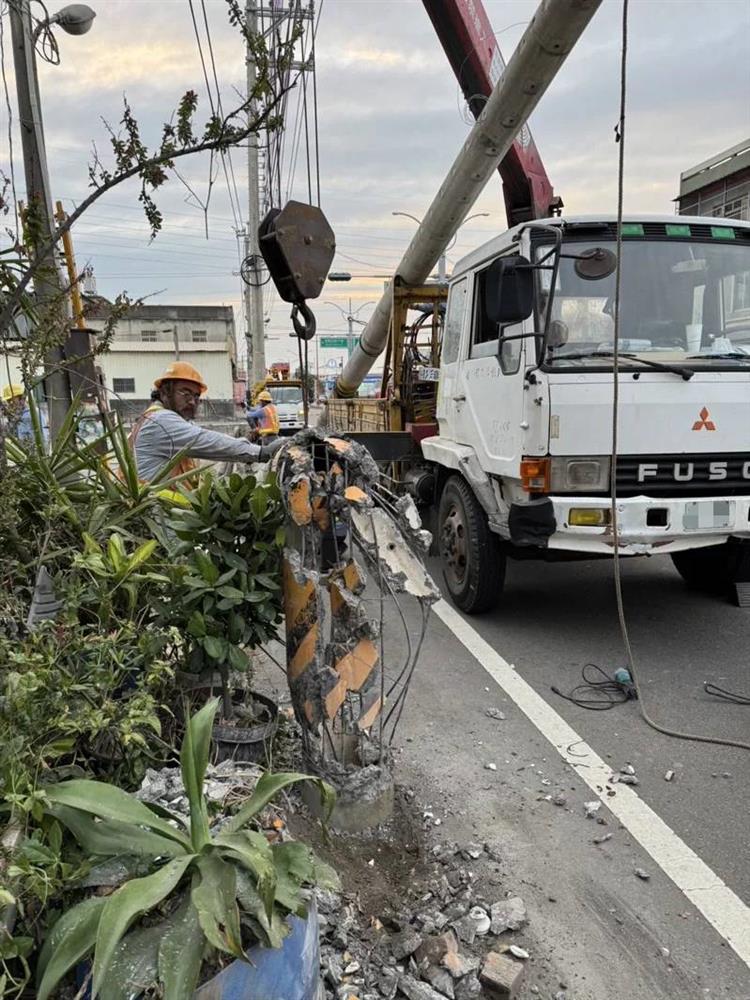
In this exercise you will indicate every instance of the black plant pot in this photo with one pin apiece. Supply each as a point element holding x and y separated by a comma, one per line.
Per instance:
<point>248,744</point>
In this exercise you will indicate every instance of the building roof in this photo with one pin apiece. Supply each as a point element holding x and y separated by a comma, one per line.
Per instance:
<point>717,168</point>
<point>98,308</point>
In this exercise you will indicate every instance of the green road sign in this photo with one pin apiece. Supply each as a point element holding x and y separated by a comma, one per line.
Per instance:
<point>334,342</point>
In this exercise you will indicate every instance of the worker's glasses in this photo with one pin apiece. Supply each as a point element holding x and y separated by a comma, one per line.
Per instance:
<point>187,394</point>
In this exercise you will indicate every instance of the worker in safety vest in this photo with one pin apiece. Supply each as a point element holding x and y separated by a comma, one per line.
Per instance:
<point>17,414</point>
<point>264,417</point>
<point>166,428</point>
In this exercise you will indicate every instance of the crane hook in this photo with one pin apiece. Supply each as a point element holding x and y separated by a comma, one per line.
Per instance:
<point>304,327</point>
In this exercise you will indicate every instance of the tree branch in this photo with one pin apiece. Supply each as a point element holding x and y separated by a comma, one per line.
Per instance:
<point>228,135</point>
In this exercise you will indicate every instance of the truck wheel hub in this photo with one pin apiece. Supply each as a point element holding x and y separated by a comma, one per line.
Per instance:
<point>453,544</point>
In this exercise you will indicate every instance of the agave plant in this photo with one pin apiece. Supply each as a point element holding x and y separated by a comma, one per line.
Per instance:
<point>203,890</point>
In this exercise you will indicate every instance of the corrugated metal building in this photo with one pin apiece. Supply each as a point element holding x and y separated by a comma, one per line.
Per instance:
<point>719,186</point>
<point>151,336</point>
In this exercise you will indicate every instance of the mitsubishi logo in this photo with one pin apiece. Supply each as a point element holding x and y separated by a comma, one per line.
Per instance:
<point>704,423</point>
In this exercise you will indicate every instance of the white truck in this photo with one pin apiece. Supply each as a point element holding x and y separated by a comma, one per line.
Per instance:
<point>522,459</point>
<point>290,407</point>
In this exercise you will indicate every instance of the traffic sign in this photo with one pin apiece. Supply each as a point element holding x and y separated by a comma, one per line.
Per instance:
<point>334,342</point>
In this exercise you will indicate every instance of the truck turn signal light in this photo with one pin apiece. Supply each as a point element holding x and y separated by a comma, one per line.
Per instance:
<point>535,475</point>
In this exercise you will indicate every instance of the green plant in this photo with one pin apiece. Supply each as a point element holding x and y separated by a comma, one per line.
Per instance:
<point>70,695</point>
<point>53,504</point>
<point>227,595</point>
<point>207,891</point>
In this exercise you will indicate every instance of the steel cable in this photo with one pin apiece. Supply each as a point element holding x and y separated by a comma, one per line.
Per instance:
<point>620,138</point>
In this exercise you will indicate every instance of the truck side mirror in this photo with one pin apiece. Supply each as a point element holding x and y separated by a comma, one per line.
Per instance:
<point>509,290</point>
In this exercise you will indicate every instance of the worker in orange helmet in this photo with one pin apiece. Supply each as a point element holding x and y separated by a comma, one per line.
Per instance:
<point>264,418</point>
<point>166,428</point>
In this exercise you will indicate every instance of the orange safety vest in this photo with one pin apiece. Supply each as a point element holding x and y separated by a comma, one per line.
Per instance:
<point>185,464</point>
<point>268,423</point>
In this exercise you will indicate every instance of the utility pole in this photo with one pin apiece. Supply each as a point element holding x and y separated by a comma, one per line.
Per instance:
<point>255,326</point>
<point>48,289</point>
<point>350,336</point>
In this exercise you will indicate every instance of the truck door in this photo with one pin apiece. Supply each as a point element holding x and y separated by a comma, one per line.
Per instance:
<point>450,398</point>
<point>491,380</point>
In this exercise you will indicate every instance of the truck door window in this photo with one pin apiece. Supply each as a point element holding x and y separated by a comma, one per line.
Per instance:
<point>454,321</point>
<point>486,334</point>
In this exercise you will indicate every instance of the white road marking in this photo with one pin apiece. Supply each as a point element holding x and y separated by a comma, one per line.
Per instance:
<point>721,907</point>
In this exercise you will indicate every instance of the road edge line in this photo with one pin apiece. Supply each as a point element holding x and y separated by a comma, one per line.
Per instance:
<point>710,895</point>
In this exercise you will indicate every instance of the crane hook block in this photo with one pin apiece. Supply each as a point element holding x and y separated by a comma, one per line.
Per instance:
<point>298,246</point>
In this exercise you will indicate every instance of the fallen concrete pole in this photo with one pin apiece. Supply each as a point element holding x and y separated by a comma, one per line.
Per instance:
<point>553,31</point>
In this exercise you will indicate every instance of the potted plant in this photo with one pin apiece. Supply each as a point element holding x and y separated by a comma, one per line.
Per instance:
<point>226,598</point>
<point>208,895</point>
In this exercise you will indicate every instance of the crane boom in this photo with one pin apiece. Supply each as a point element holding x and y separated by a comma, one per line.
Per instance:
<point>466,35</point>
<point>546,43</point>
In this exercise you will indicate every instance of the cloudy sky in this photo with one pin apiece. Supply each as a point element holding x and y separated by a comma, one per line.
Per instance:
<point>391,120</point>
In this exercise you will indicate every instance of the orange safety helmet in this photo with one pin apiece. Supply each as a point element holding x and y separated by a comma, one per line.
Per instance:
<point>183,371</point>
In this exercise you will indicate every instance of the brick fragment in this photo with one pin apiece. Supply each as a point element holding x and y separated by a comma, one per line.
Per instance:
<point>501,976</point>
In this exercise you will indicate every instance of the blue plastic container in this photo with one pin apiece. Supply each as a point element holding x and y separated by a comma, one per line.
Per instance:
<point>291,972</point>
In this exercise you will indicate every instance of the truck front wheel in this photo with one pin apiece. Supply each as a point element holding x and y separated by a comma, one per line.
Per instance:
<point>714,568</point>
<point>473,563</point>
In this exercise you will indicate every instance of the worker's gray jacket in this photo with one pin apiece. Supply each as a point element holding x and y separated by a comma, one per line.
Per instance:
<point>164,433</point>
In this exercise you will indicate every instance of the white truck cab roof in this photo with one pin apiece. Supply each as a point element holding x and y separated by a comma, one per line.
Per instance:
<point>497,244</point>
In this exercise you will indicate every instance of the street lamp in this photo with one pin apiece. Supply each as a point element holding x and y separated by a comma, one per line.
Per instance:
<point>351,319</point>
<point>76,19</point>
<point>441,260</point>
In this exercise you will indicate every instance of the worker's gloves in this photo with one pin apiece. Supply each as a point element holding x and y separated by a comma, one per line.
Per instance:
<point>269,448</point>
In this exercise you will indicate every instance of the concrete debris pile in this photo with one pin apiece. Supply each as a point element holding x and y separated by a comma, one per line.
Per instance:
<point>338,510</point>
<point>451,941</point>
<point>226,785</point>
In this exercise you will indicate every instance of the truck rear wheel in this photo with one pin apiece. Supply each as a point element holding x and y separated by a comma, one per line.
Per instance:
<point>473,563</point>
<point>715,568</point>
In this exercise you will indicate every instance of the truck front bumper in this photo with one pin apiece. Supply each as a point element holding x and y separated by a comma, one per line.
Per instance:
<point>650,524</point>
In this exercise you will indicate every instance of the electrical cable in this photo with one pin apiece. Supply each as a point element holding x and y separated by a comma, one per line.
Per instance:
<point>596,695</point>
<point>228,152</point>
<point>725,695</point>
<point>46,44</point>
<point>9,108</point>
<point>620,138</point>
<point>213,108</point>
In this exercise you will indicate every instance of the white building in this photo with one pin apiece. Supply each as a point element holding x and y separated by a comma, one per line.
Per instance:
<point>150,337</point>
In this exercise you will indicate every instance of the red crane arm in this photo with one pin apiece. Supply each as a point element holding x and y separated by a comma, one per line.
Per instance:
<point>466,35</point>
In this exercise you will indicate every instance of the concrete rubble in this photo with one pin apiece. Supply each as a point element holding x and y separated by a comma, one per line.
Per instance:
<point>450,941</point>
<point>226,782</point>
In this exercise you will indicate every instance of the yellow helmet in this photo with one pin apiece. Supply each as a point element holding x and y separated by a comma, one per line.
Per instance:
<point>264,397</point>
<point>183,371</point>
<point>12,391</point>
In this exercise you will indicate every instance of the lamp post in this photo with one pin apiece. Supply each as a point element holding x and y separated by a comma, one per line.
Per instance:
<point>441,261</point>
<point>75,19</point>
<point>175,337</point>
<point>351,319</point>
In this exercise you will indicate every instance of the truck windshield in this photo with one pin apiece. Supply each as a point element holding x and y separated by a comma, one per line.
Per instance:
<point>681,302</point>
<point>286,394</point>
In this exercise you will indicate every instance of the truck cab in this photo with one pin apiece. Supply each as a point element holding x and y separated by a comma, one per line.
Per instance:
<point>287,398</point>
<point>525,400</point>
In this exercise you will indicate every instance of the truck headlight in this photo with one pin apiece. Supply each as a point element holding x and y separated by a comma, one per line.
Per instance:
<point>300,414</point>
<point>580,475</point>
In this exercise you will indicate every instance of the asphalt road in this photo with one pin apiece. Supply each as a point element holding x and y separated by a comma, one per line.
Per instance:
<point>608,934</point>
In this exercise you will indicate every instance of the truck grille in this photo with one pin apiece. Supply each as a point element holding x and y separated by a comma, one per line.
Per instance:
<point>683,475</point>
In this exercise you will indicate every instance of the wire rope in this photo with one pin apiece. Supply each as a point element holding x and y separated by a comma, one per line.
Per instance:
<point>620,138</point>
